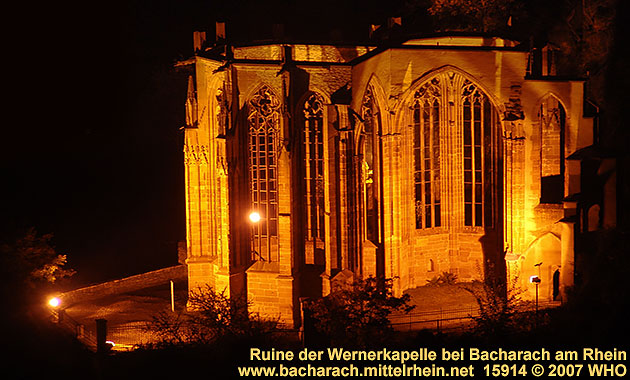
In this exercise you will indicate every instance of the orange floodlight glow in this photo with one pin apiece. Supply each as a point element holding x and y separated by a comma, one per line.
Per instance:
<point>254,217</point>
<point>54,302</point>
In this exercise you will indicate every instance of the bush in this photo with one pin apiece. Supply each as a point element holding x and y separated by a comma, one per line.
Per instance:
<point>445,278</point>
<point>501,309</point>
<point>211,316</point>
<point>357,315</point>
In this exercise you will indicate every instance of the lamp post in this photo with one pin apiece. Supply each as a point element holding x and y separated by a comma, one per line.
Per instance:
<point>172,296</point>
<point>536,281</point>
<point>56,309</point>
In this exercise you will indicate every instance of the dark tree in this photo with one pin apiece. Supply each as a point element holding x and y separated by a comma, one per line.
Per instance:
<point>357,315</point>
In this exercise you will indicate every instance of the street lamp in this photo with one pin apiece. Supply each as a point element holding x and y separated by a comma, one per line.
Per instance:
<point>254,217</point>
<point>54,302</point>
<point>56,310</point>
<point>536,281</point>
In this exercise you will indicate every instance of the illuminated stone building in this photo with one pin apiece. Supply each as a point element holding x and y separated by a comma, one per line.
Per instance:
<point>442,154</point>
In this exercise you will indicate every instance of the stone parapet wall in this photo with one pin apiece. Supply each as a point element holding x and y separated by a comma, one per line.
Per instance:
<point>127,284</point>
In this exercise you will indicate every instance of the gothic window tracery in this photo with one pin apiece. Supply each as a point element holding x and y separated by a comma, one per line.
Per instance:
<point>426,127</point>
<point>263,119</point>
<point>552,119</point>
<point>451,115</point>
<point>221,111</point>
<point>313,141</point>
<point>478,163</point>
<point>370,164</point>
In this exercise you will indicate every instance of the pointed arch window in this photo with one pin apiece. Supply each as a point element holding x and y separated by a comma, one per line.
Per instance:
<point>478,119</point>
<point>426,147</point>
<point>552,119</point>
<point>221,111</point>
<point>452,117</point>
<point>263,119</point>
<point>371,164</point>
<point>313,141</point>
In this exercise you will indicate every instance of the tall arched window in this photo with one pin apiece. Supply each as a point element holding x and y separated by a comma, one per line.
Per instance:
<point>314,167</point>
<point>552,119</point>
<point>371,164</point>
<point>263,118</point>
<point>478,120</point>
<point>452,117</point>
<point>426,147</point>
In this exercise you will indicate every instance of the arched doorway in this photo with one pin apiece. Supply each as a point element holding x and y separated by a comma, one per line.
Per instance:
<point>556,285</point>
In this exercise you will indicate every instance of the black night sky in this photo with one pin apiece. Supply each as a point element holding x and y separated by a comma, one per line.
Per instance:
<point>95,157</point>
<point>92,153</point>
<point>93,150</point>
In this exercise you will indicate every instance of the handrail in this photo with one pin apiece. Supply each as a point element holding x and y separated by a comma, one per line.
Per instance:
<point>78,330</point>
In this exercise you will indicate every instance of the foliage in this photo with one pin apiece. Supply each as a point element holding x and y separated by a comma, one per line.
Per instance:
<point>501,308</point>
<point>357,315</point>
<point>32,260</point>
<point>474,15</point>
<point>445,278</point>
<point>211,316</point>
<point>169,329</point>
<point>585,35</point>
<point>592,44</point>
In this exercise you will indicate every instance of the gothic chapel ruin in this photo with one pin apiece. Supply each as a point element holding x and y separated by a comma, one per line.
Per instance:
<point>447,153</point>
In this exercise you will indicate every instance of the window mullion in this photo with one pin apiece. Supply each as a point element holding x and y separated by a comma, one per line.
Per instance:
<point>473,158</point>
<point>431,165</point>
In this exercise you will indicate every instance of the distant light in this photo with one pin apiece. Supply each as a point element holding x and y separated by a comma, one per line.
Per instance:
<point>54,302</point>
<point>254,217</point>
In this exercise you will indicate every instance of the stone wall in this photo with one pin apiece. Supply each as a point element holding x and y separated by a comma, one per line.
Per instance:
<point>271,293</point>
<point>125,285</point>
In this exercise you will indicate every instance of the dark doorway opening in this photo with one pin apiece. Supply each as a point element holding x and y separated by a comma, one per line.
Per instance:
<point>556,284</point>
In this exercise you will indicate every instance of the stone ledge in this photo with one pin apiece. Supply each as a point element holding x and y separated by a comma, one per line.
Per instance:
<point>264,267</point>
<point>127,284</point>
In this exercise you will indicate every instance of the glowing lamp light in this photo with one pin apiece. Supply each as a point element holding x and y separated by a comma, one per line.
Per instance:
<point>254,217</point>
<point>54,302</point>
<point>534,279</point>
